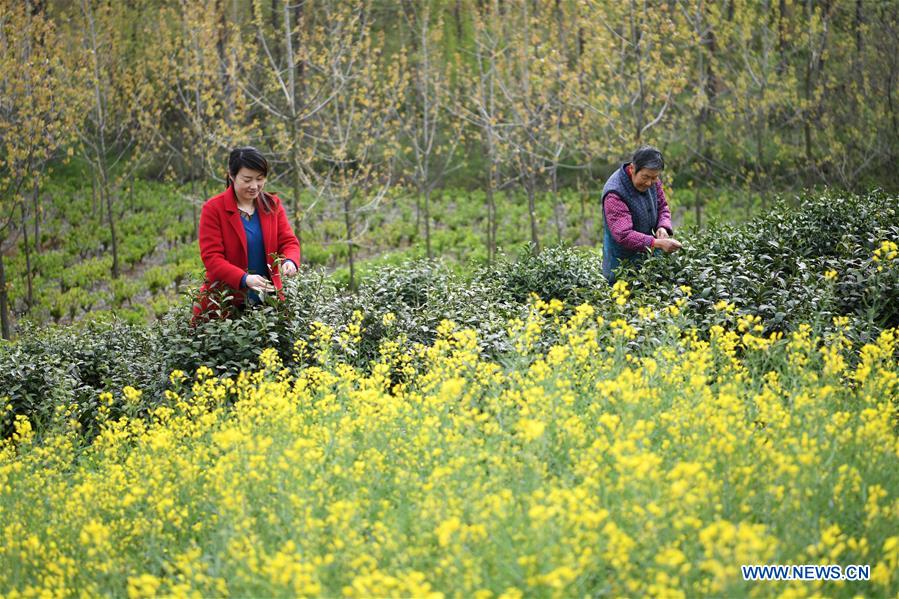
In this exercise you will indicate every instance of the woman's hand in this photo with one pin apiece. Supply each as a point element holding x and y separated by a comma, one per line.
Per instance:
<point>259,283</point>
<point>667,244</point>
<point>288,268</point>
<point>662,233</point>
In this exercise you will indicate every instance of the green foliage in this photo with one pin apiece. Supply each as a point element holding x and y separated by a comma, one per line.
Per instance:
<point>572,275</point>
<point>158,278</point>
<point>158,252</point>
<point>72,272</point>
<point>123,290</point>
<point>86,274</point>
<point>804,265</point>
<point>58,373</point>
<point>775,266</point>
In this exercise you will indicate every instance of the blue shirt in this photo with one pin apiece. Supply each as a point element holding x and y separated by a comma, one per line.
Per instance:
<point>256,263</point>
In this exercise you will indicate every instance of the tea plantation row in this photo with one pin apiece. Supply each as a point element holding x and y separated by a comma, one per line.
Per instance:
<point>835,256</point>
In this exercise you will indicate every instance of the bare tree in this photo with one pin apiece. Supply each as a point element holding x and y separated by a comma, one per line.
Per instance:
<point>352,143</point>
<point>204,120</point>
<point>485,111</point>
<point>537,91</point>
<point>431,137</point>
<point>113,132</point>
<point>290,85</point>
<point>37,111</point>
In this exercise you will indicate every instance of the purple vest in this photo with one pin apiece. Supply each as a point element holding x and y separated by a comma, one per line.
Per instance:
<point>644,209</point>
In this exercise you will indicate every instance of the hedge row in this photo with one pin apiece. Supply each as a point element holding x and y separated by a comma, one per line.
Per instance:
<point>825,259</point>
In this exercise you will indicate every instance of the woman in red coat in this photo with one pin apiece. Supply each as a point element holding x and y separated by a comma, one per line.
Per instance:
<point>246,241</point>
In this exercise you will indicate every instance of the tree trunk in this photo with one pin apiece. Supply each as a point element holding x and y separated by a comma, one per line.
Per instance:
<point>417,214</point>
<point>494,215</point>
<point>491,209</point>
<point>559,208</point>
<point>101,202</point>
<point>427,219</point>
<point>532,212</point>
<point>37,216</point>
<point>29,299</point>
<point>807,121</point>
<point>107,194</point>
<point>697,206</point>
<point>207,193</point>
<point>94,202</point>
<point>193,207</point>
<point>348,222</point>
<point>221,45</point>
<point>297,190</point>
<point>781,39</point>
<point>636,37</point>
<point>4,301</point>
<point>585,230</point>
<point>701,115</point>
<point>583,233</point>
<point>891,85</point>
<point>601,227</point>
<point>762,186</point>
<point>276,47</point>
<point>857,27</point>
<point>491,219</point>
<point>296,79</point>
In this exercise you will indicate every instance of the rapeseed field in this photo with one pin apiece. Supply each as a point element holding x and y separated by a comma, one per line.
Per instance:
<point>595,465</point>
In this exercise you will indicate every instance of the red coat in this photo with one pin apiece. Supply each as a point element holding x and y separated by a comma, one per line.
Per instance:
<point>223,245</point>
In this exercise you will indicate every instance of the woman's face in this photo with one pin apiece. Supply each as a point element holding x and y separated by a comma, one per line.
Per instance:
<point>248,184</point>
<point>645,178</point>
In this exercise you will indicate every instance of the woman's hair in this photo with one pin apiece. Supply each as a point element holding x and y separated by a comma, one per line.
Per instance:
<point>251,158</point>
<point>648,157</point>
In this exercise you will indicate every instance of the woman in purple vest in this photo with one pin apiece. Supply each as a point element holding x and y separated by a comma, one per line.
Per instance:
<point>636,213</point>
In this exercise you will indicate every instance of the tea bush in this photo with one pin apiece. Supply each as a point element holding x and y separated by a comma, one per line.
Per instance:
<point>776,266</point>
<point>776,272</point>
<point>54,372</point>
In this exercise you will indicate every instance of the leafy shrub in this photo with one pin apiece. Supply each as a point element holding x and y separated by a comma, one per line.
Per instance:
<point>59,372</point>
<point>123,290</point>
<point>158,278</point>
<point>314,254</point>
<point>779,268</point>
<point>775,266</point>
<point>571,275</point>
<point>87,273</point>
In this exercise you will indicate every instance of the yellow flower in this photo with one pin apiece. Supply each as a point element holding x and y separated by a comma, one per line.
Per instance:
<point>724,306</point>
<point>145,585</point>
<point>270,360</point>
<point>530,429</point>
<point>304,470</point>
<point>620,292</point>
<point>132,395</point>
<point>23,431</point>
<point>446,530</point>
<point>887,251</point>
